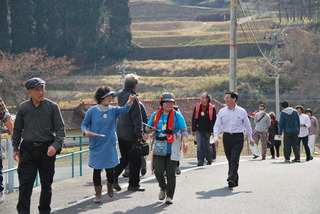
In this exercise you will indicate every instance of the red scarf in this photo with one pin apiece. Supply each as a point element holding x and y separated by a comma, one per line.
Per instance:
<point>170,137</point>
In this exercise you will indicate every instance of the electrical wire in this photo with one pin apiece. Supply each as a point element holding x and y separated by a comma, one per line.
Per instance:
<point>255,56</point>
<point>255,39</point>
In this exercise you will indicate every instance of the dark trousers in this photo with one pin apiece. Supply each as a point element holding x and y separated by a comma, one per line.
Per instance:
<point>1,167</point>
<point>290,139</point>
<point>233,145</point>
<point>214,151</point>
<point>127,158</point>
<point>305,145</point>
<point>33,159</point>
<point>97,176</point>
<point>277,150</point>
<point>161,165</point>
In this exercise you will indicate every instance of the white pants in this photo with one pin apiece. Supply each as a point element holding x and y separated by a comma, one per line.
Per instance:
<point>311,142</point>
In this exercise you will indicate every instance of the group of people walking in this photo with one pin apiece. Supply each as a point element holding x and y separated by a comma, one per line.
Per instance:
<point>295,126</point>
<point>39,131</point>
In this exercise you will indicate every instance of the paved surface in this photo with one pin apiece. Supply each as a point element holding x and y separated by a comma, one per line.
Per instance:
<point>270,186</point>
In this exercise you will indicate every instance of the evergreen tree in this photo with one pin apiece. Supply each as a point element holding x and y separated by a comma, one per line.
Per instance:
<point>41,23</point>
<point>119,38</point>
<point>22,25</point>
<point>4,28</point>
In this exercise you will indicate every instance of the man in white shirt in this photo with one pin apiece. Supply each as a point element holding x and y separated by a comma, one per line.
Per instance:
<point>233,120</point>
<point>304,132</point>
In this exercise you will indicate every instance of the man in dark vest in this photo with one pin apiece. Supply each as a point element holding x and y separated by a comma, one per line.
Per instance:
<point>203,119</point>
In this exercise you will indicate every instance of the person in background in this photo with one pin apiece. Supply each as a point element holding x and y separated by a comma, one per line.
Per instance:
<point>262,122</point>
<point>304,131</point>
<point>313,130</point>
<point>39,123</point>
<point>145,137</point>
<point>101,119</point>
<point>273,131</point>
<point>203,119</point>
<point>167,124</point>
<point>129,132</point>
<point>6,119</point>
<point>233,120</point>
<point>289,124</point>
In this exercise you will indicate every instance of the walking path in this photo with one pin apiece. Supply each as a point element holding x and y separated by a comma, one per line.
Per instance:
<point>270,186</point>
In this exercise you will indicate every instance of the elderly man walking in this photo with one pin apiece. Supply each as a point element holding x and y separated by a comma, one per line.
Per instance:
<point>39,123</point>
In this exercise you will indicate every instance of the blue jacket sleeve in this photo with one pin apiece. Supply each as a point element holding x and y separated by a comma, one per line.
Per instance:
<point>86,121</point>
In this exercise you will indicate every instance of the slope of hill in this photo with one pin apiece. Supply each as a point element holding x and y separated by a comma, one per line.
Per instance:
<point>158,11</point>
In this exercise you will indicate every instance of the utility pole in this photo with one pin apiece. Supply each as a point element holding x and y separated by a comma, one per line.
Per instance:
<point>123,72</point>
<point>277,41</point>
<point>233,46</point>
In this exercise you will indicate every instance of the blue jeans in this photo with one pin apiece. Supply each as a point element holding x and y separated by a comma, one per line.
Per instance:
<point>204,149</point>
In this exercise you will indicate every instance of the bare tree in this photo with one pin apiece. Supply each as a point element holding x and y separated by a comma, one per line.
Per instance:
<point>15,69</point>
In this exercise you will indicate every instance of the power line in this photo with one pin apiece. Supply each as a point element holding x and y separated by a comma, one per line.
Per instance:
<point>255,56</point>
<point>255,39</point>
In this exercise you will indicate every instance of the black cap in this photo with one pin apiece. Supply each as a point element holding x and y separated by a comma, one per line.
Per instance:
<point>114,94</point>
<point>167,97</point>
<point>34,83</point>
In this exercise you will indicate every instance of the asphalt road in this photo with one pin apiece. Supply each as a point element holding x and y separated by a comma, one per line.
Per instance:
<point>269,186</point>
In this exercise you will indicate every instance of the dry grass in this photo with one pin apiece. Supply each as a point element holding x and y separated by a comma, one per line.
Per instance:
<point>183,33</point>
<point>178,76</point>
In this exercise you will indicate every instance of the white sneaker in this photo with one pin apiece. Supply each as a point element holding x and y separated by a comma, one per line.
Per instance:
<point>1,197</point>
<point>162,194</point>
<point>169,200</point>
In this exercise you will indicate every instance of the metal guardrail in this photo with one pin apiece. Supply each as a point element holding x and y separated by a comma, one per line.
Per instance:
<point>65,165</point>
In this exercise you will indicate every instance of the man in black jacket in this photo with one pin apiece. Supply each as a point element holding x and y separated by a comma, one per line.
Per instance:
<point>129,131</point>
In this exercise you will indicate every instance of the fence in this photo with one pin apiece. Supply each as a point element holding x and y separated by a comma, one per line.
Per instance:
<point>66,166</point>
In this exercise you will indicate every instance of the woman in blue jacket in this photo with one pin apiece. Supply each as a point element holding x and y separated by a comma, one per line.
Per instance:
<point>99,125</point>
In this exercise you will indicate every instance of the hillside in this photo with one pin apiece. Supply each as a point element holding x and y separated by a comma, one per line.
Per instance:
<point>148,11</point>
<point>160,29</point>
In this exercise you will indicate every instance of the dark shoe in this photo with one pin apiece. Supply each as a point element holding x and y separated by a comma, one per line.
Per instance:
<point>263,158</point>
<point>143,172</point>
<point>273,157</point>
<point>135,189</point>
<point>286,160</point>
<point>308,159</point>
<point>209,162</point>
<point>231,183</point>
<point>296,160</point>
<point>125,175</point>
<point>311,157</point>
<point>200,164</point>
<point>178,171</point>
<point>255,156</point>
<point>116,186</point>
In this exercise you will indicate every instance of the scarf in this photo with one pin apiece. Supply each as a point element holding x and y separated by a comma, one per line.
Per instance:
<point>170,123</point>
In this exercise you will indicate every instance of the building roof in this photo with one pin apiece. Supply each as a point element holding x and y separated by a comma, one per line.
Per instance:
<point>73,117</point>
